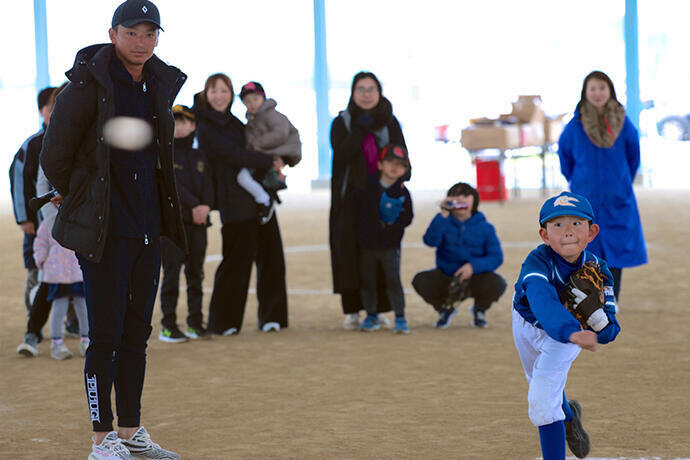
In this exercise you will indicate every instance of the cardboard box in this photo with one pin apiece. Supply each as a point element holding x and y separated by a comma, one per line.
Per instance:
<point>490,137</point>
<point>502,137</point>
<point>528,109</point>
<point>553,127</point>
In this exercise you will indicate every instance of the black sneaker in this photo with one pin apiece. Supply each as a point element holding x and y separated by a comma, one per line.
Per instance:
<point>479,317</point>
<point>444,318</point>
<point>575,434</point>
<point>198,332</point>
<point>172,335</point>
<point>265,211</point>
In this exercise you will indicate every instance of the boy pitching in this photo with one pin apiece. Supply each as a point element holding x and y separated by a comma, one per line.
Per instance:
<point>547,336</point>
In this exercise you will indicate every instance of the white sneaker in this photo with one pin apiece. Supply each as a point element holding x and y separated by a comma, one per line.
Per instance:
<point>141,447</point>
<point>272,326</point>
<point>351,322</point>
<point>231,331</point>
<point>84,345</point>
<point>111,448</point>
<point>59,351</point>
<point>384,322</point>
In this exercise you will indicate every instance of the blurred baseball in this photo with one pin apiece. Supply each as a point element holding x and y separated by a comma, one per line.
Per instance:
<point>127,133</point>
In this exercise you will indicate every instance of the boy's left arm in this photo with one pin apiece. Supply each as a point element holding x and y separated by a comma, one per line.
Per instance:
<point>493,254</point>
<point>609,333</point>
<point>406,215</point>
<point>207,193</point>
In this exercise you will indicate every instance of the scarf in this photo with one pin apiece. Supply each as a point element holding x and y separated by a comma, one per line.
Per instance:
<point>603,128</point>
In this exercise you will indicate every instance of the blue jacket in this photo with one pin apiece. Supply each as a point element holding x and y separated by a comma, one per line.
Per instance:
<point>457,243</point>
<point>605,176</point>
<point>544,273</point>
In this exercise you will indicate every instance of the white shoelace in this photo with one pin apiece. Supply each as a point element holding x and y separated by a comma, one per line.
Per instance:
<point>117,447</point>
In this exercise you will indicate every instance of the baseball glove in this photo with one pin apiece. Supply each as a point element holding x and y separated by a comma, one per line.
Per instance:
<point>457,292</point>
<point>583,296</point>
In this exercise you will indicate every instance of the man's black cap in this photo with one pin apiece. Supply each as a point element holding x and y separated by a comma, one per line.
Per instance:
<point>133,12</point>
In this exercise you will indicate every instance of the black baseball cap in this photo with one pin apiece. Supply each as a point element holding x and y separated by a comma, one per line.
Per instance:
<point>394,152</point>
<point>133,12</point>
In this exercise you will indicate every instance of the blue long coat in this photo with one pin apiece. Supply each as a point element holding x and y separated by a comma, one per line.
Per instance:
<point>605,176</point>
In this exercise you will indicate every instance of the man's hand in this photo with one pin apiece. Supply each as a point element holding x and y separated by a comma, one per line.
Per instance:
<point>56,200</point>
<point>28,227</point>
<point>465,272</point>
<point>585,339</point>
<point>200,214</point>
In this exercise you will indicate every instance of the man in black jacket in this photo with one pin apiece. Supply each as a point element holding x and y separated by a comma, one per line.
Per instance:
<point>116,206</point>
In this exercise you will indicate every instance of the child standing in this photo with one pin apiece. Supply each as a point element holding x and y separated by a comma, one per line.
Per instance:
<point>547,337</point>
<point>195,189</point>
<point>385,211</point>
<point>467,250</point>
<point>59,269</point>
<point>268,131</point>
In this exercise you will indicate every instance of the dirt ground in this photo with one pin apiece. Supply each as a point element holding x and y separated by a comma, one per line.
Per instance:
<point>315,391</point>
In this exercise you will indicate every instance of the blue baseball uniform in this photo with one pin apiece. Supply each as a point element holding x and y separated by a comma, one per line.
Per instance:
<point>541,330</point>
<point>542,327</point>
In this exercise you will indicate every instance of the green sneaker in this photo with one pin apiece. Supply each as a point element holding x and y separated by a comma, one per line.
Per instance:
<point>198,332</point>
<point>172,335</point>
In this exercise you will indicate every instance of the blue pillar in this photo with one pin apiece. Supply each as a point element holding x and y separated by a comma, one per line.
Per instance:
<point>321,86</point>
<point>632,63</point>
<point>41,39</point>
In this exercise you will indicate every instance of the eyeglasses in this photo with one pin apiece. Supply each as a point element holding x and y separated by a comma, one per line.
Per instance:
<point>363,90</point>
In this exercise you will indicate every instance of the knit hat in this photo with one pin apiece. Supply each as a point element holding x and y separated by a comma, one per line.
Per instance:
<point>252,87</point>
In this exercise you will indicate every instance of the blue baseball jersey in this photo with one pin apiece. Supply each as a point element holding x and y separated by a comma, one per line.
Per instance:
<point>544,273</point>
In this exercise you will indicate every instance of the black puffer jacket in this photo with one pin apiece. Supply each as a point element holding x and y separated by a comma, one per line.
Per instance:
<point>221,138</point>
<point>349,178</point>
<point>76,160</point>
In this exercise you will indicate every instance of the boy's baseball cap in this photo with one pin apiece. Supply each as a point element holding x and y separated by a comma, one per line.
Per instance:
<point>252,87</point>
<point>394,152</point>
<point>133,12</point>
<point>566,204</point>
<point>184,111</point>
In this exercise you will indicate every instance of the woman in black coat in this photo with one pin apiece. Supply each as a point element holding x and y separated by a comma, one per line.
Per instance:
<point>357,135</point>
<point>221,137</point>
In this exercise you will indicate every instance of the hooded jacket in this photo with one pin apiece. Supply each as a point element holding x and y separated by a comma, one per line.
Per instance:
<point>457,243</point>
<point>221,137</point>
<point>269,131</point>
<point>76,158</point>
<point>605,175</point>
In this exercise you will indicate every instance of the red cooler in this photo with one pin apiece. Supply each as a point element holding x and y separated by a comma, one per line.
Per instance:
<point>491,183</point>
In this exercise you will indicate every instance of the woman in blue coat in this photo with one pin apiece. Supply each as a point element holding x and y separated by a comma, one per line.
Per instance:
<point>599,152</point>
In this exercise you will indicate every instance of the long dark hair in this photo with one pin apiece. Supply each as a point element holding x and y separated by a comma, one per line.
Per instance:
<point>382,112</point>
<point>599,75</point>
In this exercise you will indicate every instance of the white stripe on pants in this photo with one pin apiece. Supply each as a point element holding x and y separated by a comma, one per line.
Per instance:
<point>546,362</point>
